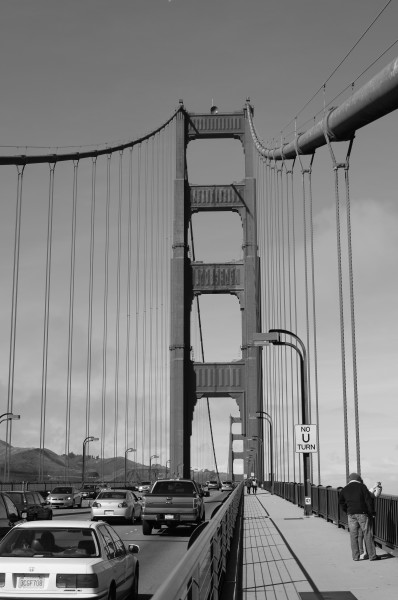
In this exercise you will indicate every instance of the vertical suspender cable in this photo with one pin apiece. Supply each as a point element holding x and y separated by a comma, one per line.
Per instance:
<point>43,404</point>
<point>71,314</point>
<point>336,166</point>
<point>128,303</point>
<point>90,293</point>
<point>13,328</point>
<point>105,312</point>
<point>137,300</point>
<point>117,322</point>
<point>351,278</point>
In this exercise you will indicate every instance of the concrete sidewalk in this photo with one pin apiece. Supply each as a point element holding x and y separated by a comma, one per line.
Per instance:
<point>287,556</point>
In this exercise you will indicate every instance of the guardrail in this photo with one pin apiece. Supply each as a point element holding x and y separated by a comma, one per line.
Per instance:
<point>325,504</point>
<point>201,573</point>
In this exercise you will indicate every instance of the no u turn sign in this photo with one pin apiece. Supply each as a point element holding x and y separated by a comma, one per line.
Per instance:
<point>305,438</point>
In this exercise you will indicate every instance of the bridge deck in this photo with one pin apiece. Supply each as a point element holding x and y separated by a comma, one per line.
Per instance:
<point>287,556</point>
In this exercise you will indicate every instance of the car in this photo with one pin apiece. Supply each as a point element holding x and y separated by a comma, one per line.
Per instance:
<point>144,486</point>
<point>227,486</point>
<point>116,504</point>
<point>64,496</point>
<point>32,502</point>
<point>64,558</point>
<point>9,514</point>
<point>90,490</point>
<point>213,484</point>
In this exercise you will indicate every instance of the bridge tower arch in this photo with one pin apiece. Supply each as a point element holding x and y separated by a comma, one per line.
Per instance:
<point>242,379</point>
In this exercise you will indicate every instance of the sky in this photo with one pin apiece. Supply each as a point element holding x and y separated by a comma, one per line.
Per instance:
<point>94,72</point>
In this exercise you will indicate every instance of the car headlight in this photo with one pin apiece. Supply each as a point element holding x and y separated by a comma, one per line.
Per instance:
<point>69,580</point>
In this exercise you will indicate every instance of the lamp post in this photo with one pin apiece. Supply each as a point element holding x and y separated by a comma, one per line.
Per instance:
<point>150,465</point>
<point>125,462</point>
<point>273,337</point>
<point>8,416</point>
<point>88,439</point>
<point>262,414</point>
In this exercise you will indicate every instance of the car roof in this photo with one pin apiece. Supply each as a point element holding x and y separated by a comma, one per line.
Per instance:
<point>62,524</point>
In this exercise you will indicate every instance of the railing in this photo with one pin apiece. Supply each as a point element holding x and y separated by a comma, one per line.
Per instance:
<point>201,573</point>
<point>325,504</point>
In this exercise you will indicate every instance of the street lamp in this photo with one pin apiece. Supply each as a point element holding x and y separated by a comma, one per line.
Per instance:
<point>88,439</point>
<point>262,414</point>
<point>150,465</point>
<point>125,462</point>
<point>8,416</point>
<point>273,337</point>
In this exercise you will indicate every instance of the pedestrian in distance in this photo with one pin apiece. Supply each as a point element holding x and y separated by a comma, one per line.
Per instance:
<point>356,500</point>
<point>254,486</point>
<point>248,485</point>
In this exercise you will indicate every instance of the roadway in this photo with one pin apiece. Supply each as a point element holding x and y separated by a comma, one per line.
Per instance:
<point>159,552</point>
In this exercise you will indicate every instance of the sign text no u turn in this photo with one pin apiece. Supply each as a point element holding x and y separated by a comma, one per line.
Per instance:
<point>305,438</point>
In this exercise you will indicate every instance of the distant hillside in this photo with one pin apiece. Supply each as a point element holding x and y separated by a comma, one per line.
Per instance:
<point>24,466</point>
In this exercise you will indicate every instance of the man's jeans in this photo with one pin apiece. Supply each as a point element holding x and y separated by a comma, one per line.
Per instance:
<point>361,522</point>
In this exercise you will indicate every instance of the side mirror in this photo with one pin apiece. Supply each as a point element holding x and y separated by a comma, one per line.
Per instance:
<point>133,548</point>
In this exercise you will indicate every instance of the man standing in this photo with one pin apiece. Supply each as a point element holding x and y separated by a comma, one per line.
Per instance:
<point>356,500</point>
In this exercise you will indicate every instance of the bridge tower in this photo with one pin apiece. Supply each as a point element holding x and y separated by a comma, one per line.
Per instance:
<point>242,379</point>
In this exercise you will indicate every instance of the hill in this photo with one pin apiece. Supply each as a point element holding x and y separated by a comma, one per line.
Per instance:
<point>25,463</point>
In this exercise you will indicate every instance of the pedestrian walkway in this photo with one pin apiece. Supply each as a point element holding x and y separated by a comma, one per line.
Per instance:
<point>288,556</point>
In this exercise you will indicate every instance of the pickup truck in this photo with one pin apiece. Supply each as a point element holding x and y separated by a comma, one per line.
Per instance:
<point>172,502</point>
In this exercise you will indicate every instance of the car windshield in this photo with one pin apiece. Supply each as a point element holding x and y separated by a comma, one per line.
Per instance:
<point>16,496</point>
<point>112,496</point>
<point>59,542</point>
<point>62,490</point>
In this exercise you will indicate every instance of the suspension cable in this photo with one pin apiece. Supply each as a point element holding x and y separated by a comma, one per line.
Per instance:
<point>336,167</point>
<point>43,403</point>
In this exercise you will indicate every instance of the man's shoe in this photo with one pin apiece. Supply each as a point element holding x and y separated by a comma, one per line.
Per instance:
<point>365,557</point>
<point>355,559</point>
<point>375,558</point>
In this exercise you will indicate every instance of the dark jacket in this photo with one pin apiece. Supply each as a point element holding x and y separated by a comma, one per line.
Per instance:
<point>356,499</point>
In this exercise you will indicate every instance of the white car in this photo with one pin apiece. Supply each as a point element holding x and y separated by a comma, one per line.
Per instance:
<point>116,504</point>
<point>64,559</point>
<point>64,496</point>
<point>227,486</point>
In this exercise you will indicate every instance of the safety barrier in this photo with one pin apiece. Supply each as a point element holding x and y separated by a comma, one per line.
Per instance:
<point>201,573</point>
<point>325,504</point>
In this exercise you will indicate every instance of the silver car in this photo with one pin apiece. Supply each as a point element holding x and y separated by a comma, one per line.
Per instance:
<point>64,496</point>
<point>116,504</point>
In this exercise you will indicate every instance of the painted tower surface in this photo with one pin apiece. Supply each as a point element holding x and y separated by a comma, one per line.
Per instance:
<point>240,379</point>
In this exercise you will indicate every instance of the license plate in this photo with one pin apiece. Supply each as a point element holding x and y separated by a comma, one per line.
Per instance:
<point>31,582</point>
<point>108,512</point>
<point>169,517</point>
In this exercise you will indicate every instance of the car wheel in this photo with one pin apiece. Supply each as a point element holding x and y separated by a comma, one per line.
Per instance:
<point>133,595</point>
<point>146,527</point>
